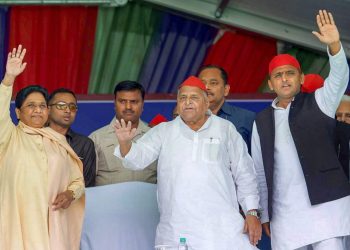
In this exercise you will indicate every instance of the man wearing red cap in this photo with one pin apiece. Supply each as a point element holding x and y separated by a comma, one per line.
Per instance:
<point>204,171</point>
<point>304,191</point>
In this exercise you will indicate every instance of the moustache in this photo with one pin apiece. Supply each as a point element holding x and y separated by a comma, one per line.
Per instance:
<point>128,111</point>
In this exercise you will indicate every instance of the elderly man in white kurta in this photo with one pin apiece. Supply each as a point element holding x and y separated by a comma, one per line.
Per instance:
<point>303,189</point>
<point>204,171</point>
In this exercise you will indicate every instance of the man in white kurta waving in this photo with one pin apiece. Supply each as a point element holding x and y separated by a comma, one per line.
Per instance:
<point>304,190</point>
<point>204,171</point>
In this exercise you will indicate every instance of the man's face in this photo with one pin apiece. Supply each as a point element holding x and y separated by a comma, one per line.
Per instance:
<point>33,111</point>
<point>63,110</point>
<point>128,105</point>
<point>192,104</point>
<point>343,112</point>
<point>217,89</point>
<point>286,81</point>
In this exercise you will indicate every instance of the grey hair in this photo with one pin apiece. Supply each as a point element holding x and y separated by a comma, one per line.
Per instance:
<point>205,94</point>
<point>345,98</point>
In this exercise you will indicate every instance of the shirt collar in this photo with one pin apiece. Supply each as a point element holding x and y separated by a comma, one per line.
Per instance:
<point>70,134</point>
<point>225,108</point>
<point>204,126</point>
<point>275,101</point>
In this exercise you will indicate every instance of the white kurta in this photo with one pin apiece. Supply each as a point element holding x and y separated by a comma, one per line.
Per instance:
<point>295,223</point>
<point>201,177</point>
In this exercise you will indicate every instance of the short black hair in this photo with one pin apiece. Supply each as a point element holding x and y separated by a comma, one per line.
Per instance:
<point>25,92</point>
<point>223,72</point>
<point>129,86</point>
<point>61,90</point>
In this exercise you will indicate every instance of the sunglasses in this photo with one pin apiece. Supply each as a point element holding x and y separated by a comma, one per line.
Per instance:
<point>63,106</point>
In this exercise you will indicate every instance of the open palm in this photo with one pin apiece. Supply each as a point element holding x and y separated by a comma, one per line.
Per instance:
<point>15,65</point>
<point>328,32</point>
<point>124,132</point>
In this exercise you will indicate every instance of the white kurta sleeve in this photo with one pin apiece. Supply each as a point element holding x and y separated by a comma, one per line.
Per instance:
<point>243,172</point>
<point>144,151</point>
<point>260,172</point>
<point>328,97</point>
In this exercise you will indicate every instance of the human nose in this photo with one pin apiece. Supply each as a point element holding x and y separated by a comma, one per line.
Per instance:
<point>188,101</point>
<point>38,109</point>
<point>127,105</point>
<point>284,76</point>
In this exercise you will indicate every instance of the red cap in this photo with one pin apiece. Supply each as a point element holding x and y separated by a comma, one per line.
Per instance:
<point>281,60</point>
<point>311,83</point>
<point>194,82</point>
<point>157,119</point>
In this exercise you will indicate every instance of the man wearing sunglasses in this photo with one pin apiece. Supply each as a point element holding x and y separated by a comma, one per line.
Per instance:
<point>62,112</point>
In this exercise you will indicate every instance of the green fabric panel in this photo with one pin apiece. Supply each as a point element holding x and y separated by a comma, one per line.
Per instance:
<point>311,63</point>
<point>122,38</point>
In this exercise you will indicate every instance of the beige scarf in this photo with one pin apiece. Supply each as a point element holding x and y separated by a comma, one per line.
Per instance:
<point>64,171</point>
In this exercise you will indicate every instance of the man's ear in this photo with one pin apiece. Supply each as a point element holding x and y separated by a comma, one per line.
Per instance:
<point>227,89</point>
<point>18,113</point>
<point>270,85</point>
<point>302,78</point>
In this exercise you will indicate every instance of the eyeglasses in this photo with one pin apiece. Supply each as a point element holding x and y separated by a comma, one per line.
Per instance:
<point>63,106</point>
<point>33,106</point>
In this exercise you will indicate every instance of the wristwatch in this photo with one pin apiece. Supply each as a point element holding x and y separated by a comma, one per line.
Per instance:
<point>254,212</point>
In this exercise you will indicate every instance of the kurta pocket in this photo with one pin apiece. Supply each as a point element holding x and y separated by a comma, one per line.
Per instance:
<point>211,150</point>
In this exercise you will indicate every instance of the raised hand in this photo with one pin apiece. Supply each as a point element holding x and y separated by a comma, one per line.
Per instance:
<point>15,65</point>
<point>124,134</point>
<point>123,131</point>
<point>328,32</point>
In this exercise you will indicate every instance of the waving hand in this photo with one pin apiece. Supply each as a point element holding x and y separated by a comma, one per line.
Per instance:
<point>328,31</point>
<point>124,134</point>
<point>14,65</point>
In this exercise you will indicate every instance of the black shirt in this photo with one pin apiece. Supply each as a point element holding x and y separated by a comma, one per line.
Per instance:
<point>84,147</point>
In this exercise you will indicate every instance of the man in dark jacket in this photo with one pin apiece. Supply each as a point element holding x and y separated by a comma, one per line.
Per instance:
<point>304,192</point>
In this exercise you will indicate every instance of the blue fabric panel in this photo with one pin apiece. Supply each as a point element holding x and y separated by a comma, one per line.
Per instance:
<point>93,115</point>
<point>176,51</point>
<point>3,38</point>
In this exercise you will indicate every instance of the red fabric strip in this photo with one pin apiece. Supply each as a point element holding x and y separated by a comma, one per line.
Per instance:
<point>245,57</point>
<point>59,42</point>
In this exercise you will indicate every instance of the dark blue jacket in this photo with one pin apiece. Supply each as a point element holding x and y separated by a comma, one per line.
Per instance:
<point>242,119</point>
